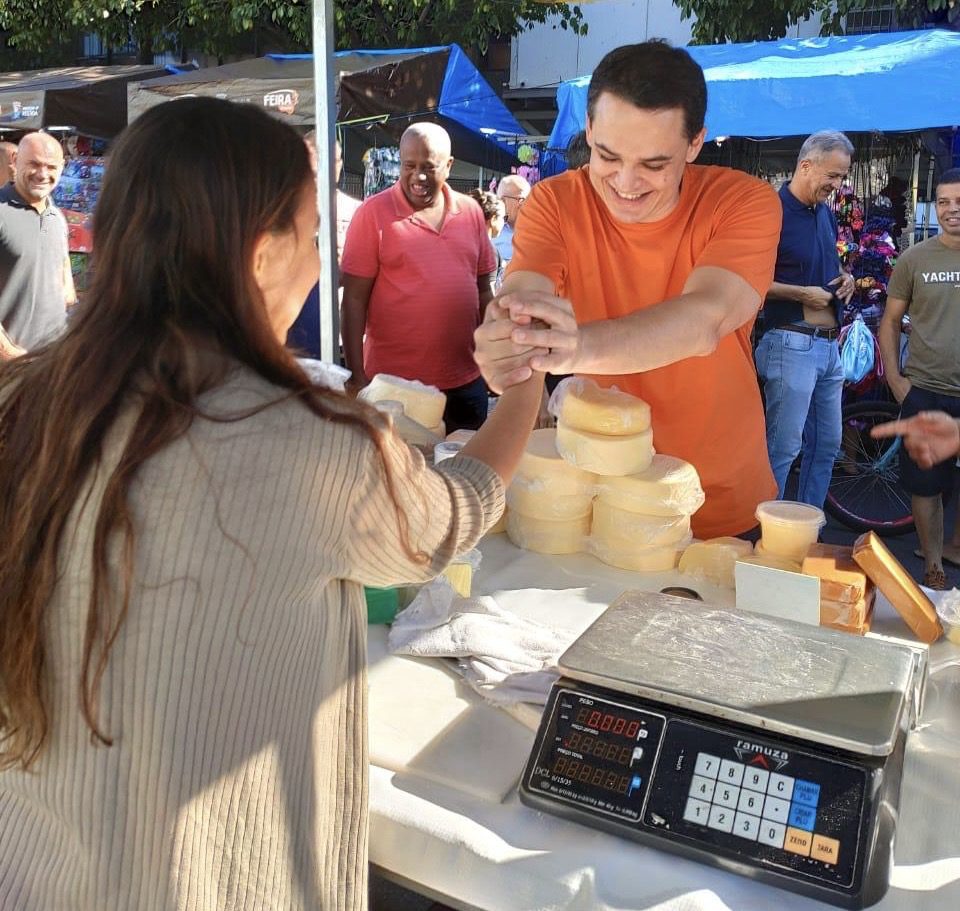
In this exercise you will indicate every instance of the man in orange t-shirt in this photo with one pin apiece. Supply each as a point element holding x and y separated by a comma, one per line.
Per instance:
<point>649,271</point>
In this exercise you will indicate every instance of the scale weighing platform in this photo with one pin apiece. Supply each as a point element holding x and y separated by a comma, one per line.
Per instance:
<point>768,748</point>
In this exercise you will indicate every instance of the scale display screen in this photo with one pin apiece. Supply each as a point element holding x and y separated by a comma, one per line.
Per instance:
<point>651,771</point>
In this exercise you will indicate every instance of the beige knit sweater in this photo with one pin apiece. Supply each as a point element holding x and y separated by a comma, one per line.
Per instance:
<point>236,692</point>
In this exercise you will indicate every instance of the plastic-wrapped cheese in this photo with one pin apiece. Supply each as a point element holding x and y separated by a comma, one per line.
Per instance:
<point>620,529</point>
<point>640,558</point>
<point>669,487</point>
<point>850,616</point>
<point>543,470</point>
<point>548,536</point>
<point>583,405</point>
<point>536,501</point>
<point>605,455</point>
<point>714,560</point>
<point>841,579</point>
<point>421,403</point>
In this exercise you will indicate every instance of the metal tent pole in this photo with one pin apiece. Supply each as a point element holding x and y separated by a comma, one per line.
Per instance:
<point>325,115</point>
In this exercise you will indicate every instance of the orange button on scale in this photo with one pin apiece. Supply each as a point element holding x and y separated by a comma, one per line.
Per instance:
<point>798,841</point>
<point>825,849</point>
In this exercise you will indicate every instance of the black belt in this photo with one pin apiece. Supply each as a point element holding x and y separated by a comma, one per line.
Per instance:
<point>816,331</point>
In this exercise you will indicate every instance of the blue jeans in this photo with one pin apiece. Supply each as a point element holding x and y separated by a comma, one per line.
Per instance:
<point>803,383</point>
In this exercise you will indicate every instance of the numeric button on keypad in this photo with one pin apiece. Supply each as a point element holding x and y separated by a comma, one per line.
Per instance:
<point>776,809</point>
<point>780,786</point>
<point>721,818</point>
<point>731,772</point>
<point>707,765</point>
<point>771,833</point>
<point>746,826</point>
<point>756,779</point>
<point>726,795</point>
<point>750,802</point>
<point>702,788</point>
<point>697,811</point>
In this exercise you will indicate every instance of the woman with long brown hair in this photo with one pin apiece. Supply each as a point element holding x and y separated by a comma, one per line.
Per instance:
<point>186,524</point>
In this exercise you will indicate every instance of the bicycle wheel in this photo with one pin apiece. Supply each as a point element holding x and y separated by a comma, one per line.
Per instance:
<point>865,492</point>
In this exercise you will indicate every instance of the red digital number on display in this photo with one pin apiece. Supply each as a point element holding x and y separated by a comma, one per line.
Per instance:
<point>632,729</point>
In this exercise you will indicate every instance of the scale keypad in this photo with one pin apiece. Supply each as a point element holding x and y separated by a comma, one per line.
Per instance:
<point>758,805</point>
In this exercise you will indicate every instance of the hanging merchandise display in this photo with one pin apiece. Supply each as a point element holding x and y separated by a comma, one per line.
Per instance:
<point>381,169</point>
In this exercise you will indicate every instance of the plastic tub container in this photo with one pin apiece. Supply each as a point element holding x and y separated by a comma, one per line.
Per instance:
<point>789,529</point>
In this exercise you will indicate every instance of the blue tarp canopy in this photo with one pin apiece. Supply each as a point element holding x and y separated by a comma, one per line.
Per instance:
<point>892,82</point>
<point>384,90</point>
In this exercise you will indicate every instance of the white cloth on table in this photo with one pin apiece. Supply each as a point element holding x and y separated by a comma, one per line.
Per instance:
<point>502,656</point>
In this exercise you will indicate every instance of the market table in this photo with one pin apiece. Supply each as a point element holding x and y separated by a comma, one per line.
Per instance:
<point>445,819</point>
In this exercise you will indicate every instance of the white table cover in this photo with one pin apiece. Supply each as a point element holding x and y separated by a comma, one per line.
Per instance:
<point>502,856</point>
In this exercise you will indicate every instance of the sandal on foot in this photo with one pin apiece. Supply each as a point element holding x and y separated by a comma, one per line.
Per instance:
<point>935,579</point>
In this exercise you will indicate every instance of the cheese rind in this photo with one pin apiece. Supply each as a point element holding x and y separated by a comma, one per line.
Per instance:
<point>421,403</point>
<point>546,536</point>
<point>620,529</point>
<point>584,405</point>
<point>669,487</point>
<point>841,579</point>
<point>714,560</point>
<point>543,470</point>
<point>605,455</point>
<point>639,559</point>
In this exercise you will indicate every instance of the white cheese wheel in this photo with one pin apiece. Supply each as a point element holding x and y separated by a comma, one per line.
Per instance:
<point>421,403</point>
<point>548,536</point>
<point>539,502</point>
<point>714,560</point>
<point>543,470</point>
<point>669,487</point>
<point>586,406</point>
<point>619,529</point>
<point>641,559</point>
<point>605,455</point>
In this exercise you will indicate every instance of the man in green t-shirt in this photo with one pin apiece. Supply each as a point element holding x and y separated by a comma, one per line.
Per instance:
<point>926,284</point>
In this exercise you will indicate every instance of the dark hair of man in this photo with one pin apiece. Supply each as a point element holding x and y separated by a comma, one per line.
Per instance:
<point>655,77</point>
<point>173,309</point>
<point>489,202</point>
<point>951,176</point>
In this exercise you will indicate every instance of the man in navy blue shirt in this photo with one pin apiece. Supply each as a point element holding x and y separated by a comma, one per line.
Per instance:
<point>798,356</point>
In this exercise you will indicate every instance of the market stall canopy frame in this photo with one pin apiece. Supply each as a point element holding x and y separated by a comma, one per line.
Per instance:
<point>893,82</point>
<point>383,90</point>
<point>90,99</point>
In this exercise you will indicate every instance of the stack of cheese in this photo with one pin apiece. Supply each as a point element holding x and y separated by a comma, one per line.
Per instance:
<point>549,500</point>
<point>641,517</point>
<point>603,431</point>
<point>422,405</point>
<point>641,521</point>
<point>846,595</point>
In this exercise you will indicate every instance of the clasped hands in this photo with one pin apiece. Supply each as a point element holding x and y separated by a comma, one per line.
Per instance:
<point>526,332</point>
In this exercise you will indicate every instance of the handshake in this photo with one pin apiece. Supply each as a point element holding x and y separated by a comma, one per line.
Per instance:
<point>526,332</point>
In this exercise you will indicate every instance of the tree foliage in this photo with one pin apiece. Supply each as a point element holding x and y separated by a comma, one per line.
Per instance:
<point>762,20</point>
<point>215,26</point>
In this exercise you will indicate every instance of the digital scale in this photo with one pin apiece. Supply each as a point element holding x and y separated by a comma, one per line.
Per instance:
<point>769,748</point>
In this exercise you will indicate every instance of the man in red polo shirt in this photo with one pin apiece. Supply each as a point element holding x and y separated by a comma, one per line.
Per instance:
<point>417,275</point>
